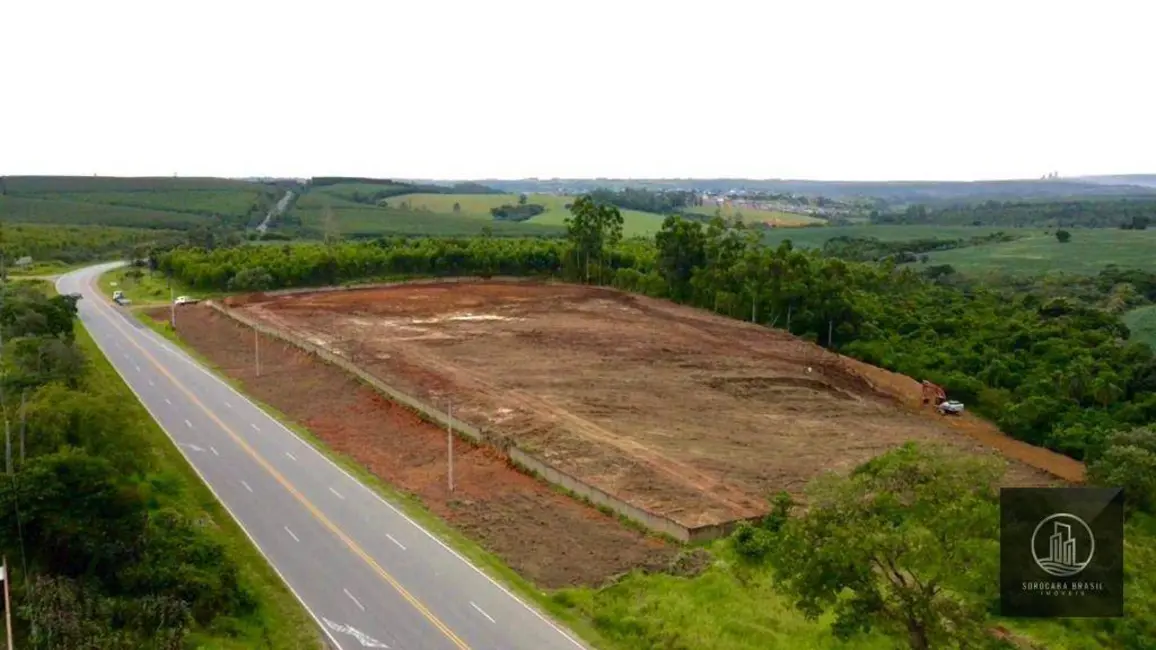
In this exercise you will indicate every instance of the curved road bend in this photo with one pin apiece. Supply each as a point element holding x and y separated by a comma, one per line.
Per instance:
<point>369,576</point>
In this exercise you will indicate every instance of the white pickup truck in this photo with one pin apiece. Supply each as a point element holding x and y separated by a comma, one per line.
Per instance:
<point>186,300</point>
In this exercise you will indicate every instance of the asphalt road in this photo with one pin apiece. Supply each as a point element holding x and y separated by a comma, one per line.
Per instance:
<point>368,575</point>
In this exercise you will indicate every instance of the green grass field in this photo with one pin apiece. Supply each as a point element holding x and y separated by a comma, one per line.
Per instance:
<point>1088,252</point>
<point>775,217</point>
<point>477,206</point>
<point>1142,322</point>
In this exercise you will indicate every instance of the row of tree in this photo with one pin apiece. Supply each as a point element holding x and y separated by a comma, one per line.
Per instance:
<point>644,200</point>
<point>103,550</point>
<point>1053,372</point>
<point>1129,214</point>
<point>873,249</point>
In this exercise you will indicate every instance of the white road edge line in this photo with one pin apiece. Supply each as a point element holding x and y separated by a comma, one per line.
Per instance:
<point>336,494</point>
<point>355,601</point>
<point>375,495</point>
<point>291,456</point>
<point>395,541</point>
<point>482,612</point>
<point>291,534</point>
<point>212,490</point>
<point>214,450</point>
<point>246,486</point>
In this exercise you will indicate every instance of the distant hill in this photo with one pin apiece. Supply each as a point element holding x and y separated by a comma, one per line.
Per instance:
<point>1140,180</point>
<point>890,192</point>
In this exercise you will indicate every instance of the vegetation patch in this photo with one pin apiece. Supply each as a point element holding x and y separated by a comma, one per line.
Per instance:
<point>112,540</point>
<point>1142,323</point>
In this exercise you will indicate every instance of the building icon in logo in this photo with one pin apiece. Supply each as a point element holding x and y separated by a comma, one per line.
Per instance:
<point>1063,545</point>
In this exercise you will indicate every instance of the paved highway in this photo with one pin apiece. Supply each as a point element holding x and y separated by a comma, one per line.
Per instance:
<point>369,576</point>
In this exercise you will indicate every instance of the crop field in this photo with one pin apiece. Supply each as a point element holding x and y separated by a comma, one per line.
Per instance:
<point>38,211</point>
<point>755,214</point>
<point>478,206</point>
<point>1088,252</point>
<point>1142,322</point>
<point>679,412</point>
<point>362,220</point>
<point>175,203</point>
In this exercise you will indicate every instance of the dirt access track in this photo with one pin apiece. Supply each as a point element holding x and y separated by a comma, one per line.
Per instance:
<point>677,411</point>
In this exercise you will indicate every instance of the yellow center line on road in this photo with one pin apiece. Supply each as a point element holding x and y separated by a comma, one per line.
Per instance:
<point>353,546</point>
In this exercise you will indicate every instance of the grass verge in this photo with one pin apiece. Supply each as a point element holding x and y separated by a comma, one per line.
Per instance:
<point>144,289</point>
<point>279,621</point>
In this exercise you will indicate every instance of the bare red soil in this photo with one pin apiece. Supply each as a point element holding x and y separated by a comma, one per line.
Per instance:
<point>544,535</point>
<point>678,411</point>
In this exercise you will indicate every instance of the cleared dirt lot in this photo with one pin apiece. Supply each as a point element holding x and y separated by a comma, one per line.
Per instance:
<point>542,534</point>
<point>677,411</point>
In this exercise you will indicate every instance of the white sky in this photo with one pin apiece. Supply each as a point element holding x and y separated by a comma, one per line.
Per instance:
<point>855,90</point>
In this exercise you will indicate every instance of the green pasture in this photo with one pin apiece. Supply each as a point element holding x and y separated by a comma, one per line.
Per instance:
<point>1088,252</point>
<point>750,215</point>
<point>477,206</point>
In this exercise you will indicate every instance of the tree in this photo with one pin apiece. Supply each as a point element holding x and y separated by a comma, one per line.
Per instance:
<point>906,544</point>
<point>592,228</point>
<point>457,207</point>
<point>522,198</point>
<point>681,250</point>
<point>1063,236</point>
<point>1129,462</point>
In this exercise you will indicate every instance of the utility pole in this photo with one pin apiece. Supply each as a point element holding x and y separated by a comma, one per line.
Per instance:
<point>172,306</point>
<point>7,601</point>
<point>450,442</point>
<point>257,350</point>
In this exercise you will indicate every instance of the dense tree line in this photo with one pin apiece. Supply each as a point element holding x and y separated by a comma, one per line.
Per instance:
<point>104,553</point>
<point>872,249</point>
<point>1053,372</point>
<point>644,200</point>
<point>73,244</point>
<point>1090,213</point>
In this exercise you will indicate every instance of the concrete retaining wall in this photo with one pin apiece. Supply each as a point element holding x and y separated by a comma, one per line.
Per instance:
<point>519,457</point>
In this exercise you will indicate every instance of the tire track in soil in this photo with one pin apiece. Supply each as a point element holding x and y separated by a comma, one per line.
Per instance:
<point>547,537</point>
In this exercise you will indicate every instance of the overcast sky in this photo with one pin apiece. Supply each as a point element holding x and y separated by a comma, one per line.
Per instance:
<point>857,90</point>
